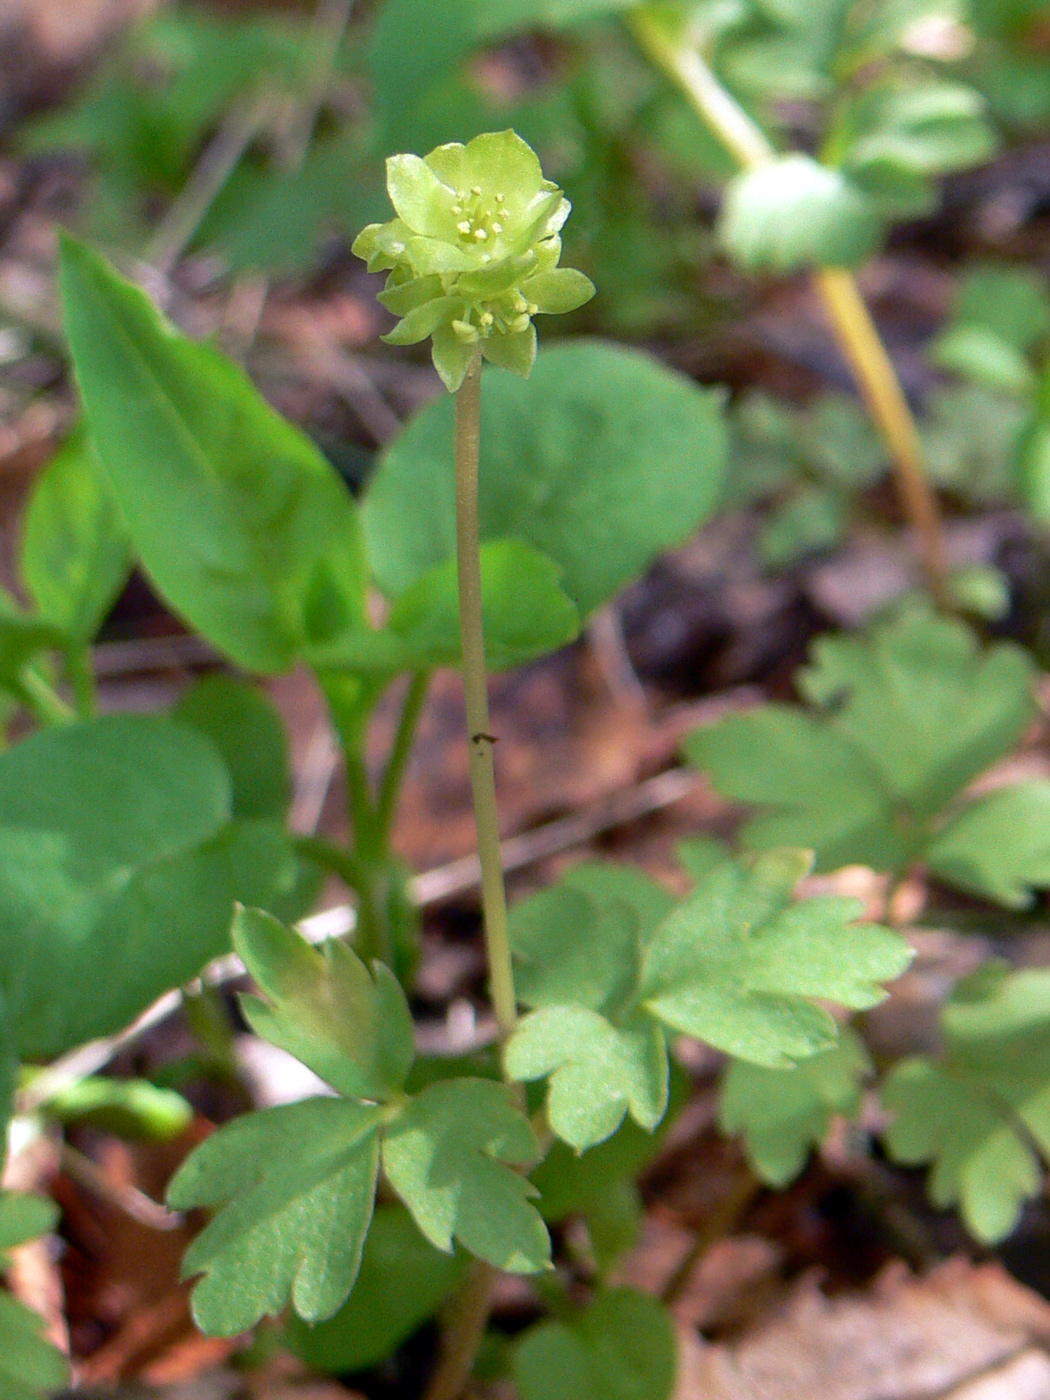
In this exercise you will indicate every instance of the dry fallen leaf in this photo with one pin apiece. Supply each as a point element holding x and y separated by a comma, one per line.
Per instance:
<point>963,1333</point>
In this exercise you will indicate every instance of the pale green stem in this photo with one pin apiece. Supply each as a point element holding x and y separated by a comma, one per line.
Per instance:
<point>42,698</point>
<point>393,777</point>
<point>475,684</point>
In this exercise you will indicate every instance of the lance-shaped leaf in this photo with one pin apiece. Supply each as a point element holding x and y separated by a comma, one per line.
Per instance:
<point>297,1185</point>
<point>623,1347</point>
<point>902,719</point>
<point>76,554</point>
<point>742,967</point>
<point>449,1156</point>
<point>352,1027</point>
<point>238,519</point>
<point>980,1114</point>
<point>784,1113</point>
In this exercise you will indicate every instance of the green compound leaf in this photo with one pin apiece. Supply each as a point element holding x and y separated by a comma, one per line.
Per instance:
<point>449,1157</point>
<point>598,1071</point>
<point>30,1367</point>
<point>903,719</point>
<point>980,1114</point>
<point>623,1347</point>
<point>352,1027</point>
<point>998,845</point>
<point>403,1282</point>
<point>246,728</point>
<point>119,862</point>
<point>793,213</point>
<point>527,614</point>
<point>738,965</point>
<point>298,1186</point>
<point>601,461</point>
<point>1010,303</point>
<point>240,522</point>
<point>76,555</point>
<point>784,1114</point>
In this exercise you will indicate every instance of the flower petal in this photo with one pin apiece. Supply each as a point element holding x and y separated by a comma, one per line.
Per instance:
<point>452,357</point>
<point>422,201</point>
<point>500,162</point>
<point>424,320</point>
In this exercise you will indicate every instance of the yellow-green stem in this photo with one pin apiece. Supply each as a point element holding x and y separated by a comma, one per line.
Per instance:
<point>464,1335</point>
<point>475,684</point>
<point>847,311</point>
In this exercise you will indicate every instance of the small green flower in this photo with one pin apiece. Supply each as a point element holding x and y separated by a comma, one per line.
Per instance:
<point>473,254</point>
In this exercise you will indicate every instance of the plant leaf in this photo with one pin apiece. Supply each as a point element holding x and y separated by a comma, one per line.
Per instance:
<point>739,966</point>
<point>30,1367</point>
<point>76,555</point>
<point>352,1027</point>
<point>623,1347</point>
<point>784,1113</point>
<point>902,719</point>
<point>246,728</point>
<point>403,1282</point>
<point>598,1071</point>
<point>998,845</point>
<point>239,520</point>
<point>447,1157</point>
<point>601,461</point>
<point>298,1186</point>
<point>120,864</point>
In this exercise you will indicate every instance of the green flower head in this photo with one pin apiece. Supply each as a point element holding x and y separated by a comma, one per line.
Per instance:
<point>473,253</point>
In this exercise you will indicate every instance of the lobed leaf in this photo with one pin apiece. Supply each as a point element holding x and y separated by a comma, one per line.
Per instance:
<point>980,1114</point>
<point>738,965</point>
<point>297,1184</point>
<point>352,1027</point>
<point>449,1157</point>
<point>623,1347</point>
<point>30,1367</point>
<point>784,1113</point>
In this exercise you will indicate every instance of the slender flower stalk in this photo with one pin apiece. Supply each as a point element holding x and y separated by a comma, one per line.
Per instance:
<point>472,257</point>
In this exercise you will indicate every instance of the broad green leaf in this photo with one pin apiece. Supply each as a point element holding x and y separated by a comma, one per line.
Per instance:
<point>449,1156</point>
<point>793,213</point>
<point>352,1027</point>
<point>241,523</point>
<point>76,555</point>
<point>599,1071</point>
<point>982,357</point>
<point>246,728</point>
<point>30,1367</point>
<point>403,1282</point>
<point>1010,302</point>
<point>980,1115</point>
<point>903,719</point>
<point>119,864</point>
<point>998,845</point>
<point>784,1113</point>
<point>614,1221</point>
<point>527,614</point>
<point>601,461</point>
<point>623,1347</point>
<point>127,1108</point>
<point>740,966</point>
<point>24,1217</point>
<point>297,1185</point>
